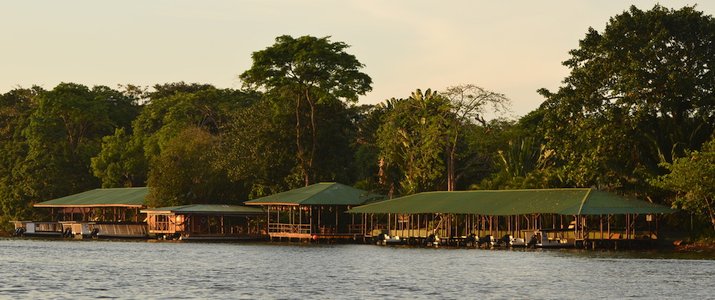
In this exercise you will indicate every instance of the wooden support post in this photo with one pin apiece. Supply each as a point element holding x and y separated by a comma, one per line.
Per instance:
<point>490,224</point>
<point>508,225</point>
<point>419,226</point>
<point>363,225</point>
<point>310,220</point>
<point>268,220</point>
<point>411,227</point>
<point>320,217</point>
<point>389,223</point>
<point>300,218</point>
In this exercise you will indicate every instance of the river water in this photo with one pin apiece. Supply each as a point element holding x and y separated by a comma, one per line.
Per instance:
<point>56,269</point>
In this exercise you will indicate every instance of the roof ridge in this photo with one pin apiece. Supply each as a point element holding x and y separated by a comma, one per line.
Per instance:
<point>507,190</point>
<point>583,201</point>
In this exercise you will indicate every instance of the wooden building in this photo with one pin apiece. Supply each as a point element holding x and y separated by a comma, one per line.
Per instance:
<point>206,222</point>
<point>99,213</point>
<point>315,212</point>
<point>547,217</point>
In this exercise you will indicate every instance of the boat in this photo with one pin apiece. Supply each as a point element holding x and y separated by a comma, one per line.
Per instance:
<point>32,228</point>
<point>548,238</point>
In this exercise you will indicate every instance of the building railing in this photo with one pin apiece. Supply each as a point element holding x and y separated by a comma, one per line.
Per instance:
<point>288,228</point>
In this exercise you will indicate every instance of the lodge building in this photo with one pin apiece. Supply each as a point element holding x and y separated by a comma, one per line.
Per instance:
<point>568,217</point>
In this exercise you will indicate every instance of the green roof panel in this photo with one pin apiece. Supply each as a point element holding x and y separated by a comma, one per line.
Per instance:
<point>603,203</point>
<point>119,197</point>
<point>324,193</point>
<point>572,201</point>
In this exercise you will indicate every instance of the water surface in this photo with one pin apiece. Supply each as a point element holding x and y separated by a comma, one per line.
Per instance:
<point>109,269</point>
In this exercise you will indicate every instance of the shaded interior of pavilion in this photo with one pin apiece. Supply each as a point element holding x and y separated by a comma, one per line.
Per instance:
<point>554,216</point>
<point>206,221</point>
<point>114,212</point>
<point>318,211</point>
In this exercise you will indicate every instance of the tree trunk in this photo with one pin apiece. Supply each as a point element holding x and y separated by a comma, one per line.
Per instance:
<point>299,146</point>
<point>450,171</point>
<point>451,181</point>
<point>314,136</point>
<point>711,213</point>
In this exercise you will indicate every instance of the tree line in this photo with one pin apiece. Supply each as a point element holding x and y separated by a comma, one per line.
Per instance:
<point>636,115</point>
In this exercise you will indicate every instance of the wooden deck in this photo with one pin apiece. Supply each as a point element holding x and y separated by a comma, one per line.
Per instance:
<point>314,237</point>
<point>204,237</point>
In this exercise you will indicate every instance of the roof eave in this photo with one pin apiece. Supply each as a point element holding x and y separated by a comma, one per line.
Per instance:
<point>273,203</point>
<point>89,205</point>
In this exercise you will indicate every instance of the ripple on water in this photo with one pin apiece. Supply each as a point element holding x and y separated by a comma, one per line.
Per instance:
<point>104,269</point>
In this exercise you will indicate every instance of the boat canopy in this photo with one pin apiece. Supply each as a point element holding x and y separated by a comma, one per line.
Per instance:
<point>324,193</point>
<point>114,197</point>
<point>567,201</point>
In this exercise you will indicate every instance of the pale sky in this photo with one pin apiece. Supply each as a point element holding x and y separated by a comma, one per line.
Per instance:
<point>511,47</point>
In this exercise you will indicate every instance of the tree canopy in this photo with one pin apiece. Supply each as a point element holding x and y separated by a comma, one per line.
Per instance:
<point>48,138</point>
<point>639,94</point>
<point>310,72</point>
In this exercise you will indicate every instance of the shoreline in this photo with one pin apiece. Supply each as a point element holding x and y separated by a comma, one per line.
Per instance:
<point>697,246</point>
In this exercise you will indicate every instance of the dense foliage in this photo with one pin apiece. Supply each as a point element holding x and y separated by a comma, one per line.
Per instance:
<point>693,178</point>
<point>640,93</point>
<point>632,116</point>
<point>48,139</point>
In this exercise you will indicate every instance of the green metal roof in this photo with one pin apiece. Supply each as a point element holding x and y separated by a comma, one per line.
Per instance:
<point>218,209</point>
<point>117,197</point>
<point>575,201</point>
<point>324,193</point>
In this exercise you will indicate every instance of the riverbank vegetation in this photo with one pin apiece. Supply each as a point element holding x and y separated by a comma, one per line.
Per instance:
<point>635,115</point>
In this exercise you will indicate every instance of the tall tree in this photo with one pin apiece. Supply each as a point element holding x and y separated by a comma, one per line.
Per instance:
<point>308,71</point>
<point>469,104</point>
<point>638,94</point>
<point>413,140</point>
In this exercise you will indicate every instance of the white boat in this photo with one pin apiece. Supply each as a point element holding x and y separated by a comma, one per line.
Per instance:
<point>31,228</point>
<point>518,242</point>
<point>393,240</point>
<point>547,239</point>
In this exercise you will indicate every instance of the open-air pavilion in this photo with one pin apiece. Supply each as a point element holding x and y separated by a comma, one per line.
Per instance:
<point>206,222</point>
<point>115,205</point>
<point>113,212</point>
<point>317,211</point>
<point>573,216</point>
